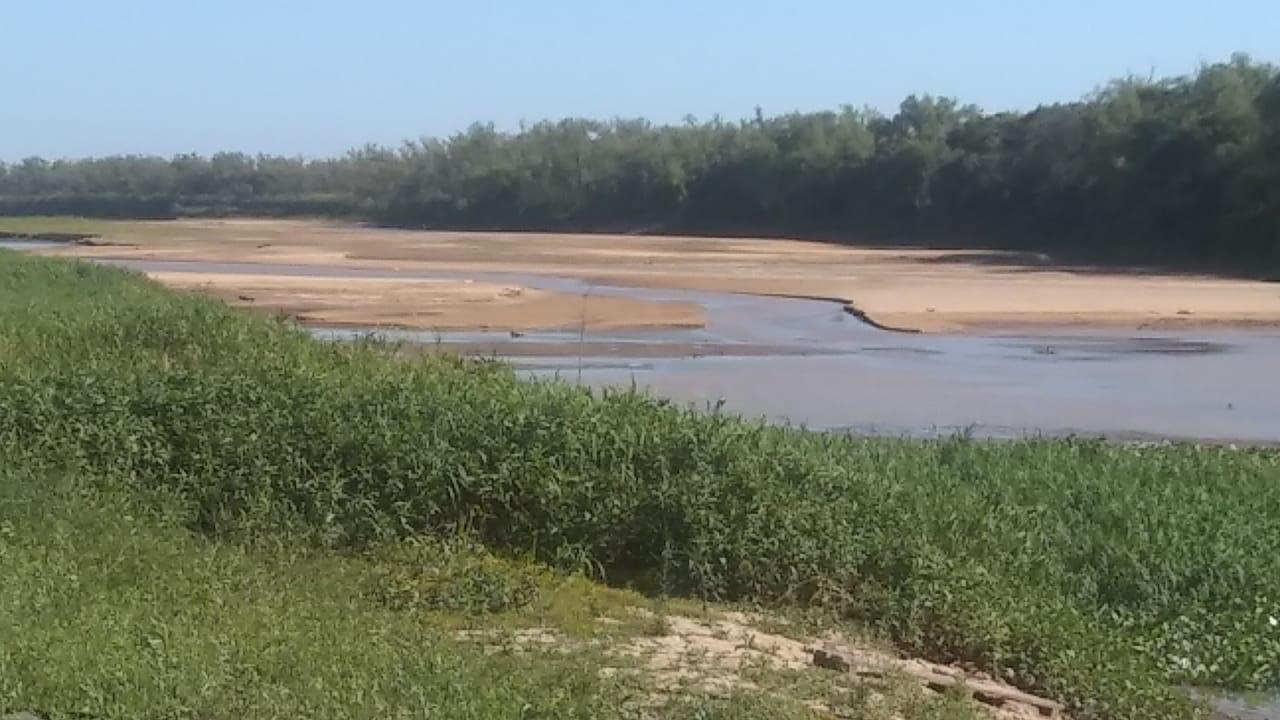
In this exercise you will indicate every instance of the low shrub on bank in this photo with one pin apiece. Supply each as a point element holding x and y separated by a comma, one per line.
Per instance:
<point>1097,573</point>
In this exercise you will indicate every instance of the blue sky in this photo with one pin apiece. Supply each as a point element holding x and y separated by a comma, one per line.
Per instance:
<point>315,77</point>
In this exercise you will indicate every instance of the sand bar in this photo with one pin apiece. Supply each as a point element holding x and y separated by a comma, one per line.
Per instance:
<point>946,291</point>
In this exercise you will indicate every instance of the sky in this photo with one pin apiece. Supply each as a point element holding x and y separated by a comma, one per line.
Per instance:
<point>317,77</point>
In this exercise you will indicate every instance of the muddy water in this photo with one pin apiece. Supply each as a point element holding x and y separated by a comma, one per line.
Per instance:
<point>809,362</point>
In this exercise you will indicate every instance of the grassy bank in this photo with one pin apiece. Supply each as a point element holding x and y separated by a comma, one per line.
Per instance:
<point>109,609</point>
<point>1094,573</point>
<point>108,613</point>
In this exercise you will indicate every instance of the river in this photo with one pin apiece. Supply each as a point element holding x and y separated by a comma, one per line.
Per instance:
<point>808,362</point>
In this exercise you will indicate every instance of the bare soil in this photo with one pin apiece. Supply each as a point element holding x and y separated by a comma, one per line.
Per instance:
<point>730,652</point>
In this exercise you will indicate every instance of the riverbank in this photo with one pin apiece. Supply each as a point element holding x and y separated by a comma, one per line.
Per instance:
<point>112,609</point>
<point>782,358</point>
<point>1101,576</point>
<point>934,291</point>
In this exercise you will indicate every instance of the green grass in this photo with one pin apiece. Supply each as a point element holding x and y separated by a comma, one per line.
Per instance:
<point>1095,573</point>
<point>107,614</point>
<point>109,609</point>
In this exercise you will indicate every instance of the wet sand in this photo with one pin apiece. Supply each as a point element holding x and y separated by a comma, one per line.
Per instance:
<point>936,291</point>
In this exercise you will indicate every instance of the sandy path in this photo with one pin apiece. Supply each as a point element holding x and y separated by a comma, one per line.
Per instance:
<point>927,290</point>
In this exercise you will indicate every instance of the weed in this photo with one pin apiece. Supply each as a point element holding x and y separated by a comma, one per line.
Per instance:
<point>451,576</point>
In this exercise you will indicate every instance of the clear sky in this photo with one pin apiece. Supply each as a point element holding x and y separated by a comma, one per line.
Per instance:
<point>316,77</point>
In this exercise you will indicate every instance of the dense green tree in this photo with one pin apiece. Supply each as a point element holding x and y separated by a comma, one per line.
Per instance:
<point>1185,169</point>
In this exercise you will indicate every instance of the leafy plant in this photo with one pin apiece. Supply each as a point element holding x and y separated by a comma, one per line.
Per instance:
<point>451,576</point>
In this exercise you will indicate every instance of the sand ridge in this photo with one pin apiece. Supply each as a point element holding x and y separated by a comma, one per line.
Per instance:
<point>905,288</point>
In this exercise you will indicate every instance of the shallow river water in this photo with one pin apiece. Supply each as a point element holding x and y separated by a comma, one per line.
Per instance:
<point>809,362</point>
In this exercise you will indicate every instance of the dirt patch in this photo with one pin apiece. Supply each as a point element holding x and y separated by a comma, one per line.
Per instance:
<point>730,653</point>
<point>714,654</point>
<point>911,289</point>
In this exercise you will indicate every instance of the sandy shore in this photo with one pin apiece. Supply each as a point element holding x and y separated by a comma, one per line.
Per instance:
<point>429,304</point>
<point>910,289</point>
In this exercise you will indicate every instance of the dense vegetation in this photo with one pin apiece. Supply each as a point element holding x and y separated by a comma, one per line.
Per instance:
<point>110,610</point>
<point>1183,169</point>
<point>1096,573</point>
<point>106,614</point>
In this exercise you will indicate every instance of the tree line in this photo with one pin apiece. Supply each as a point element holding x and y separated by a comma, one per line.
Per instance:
<point>1181,168</point>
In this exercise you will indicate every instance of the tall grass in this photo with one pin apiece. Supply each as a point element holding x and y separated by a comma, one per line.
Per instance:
<point>1096,573</point>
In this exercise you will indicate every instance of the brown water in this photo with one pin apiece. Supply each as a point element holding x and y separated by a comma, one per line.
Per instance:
<point>808,362</point>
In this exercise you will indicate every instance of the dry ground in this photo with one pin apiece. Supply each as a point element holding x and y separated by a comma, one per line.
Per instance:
<point>831,673</point>
<point>917,289</point>
<point>432,304</point>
